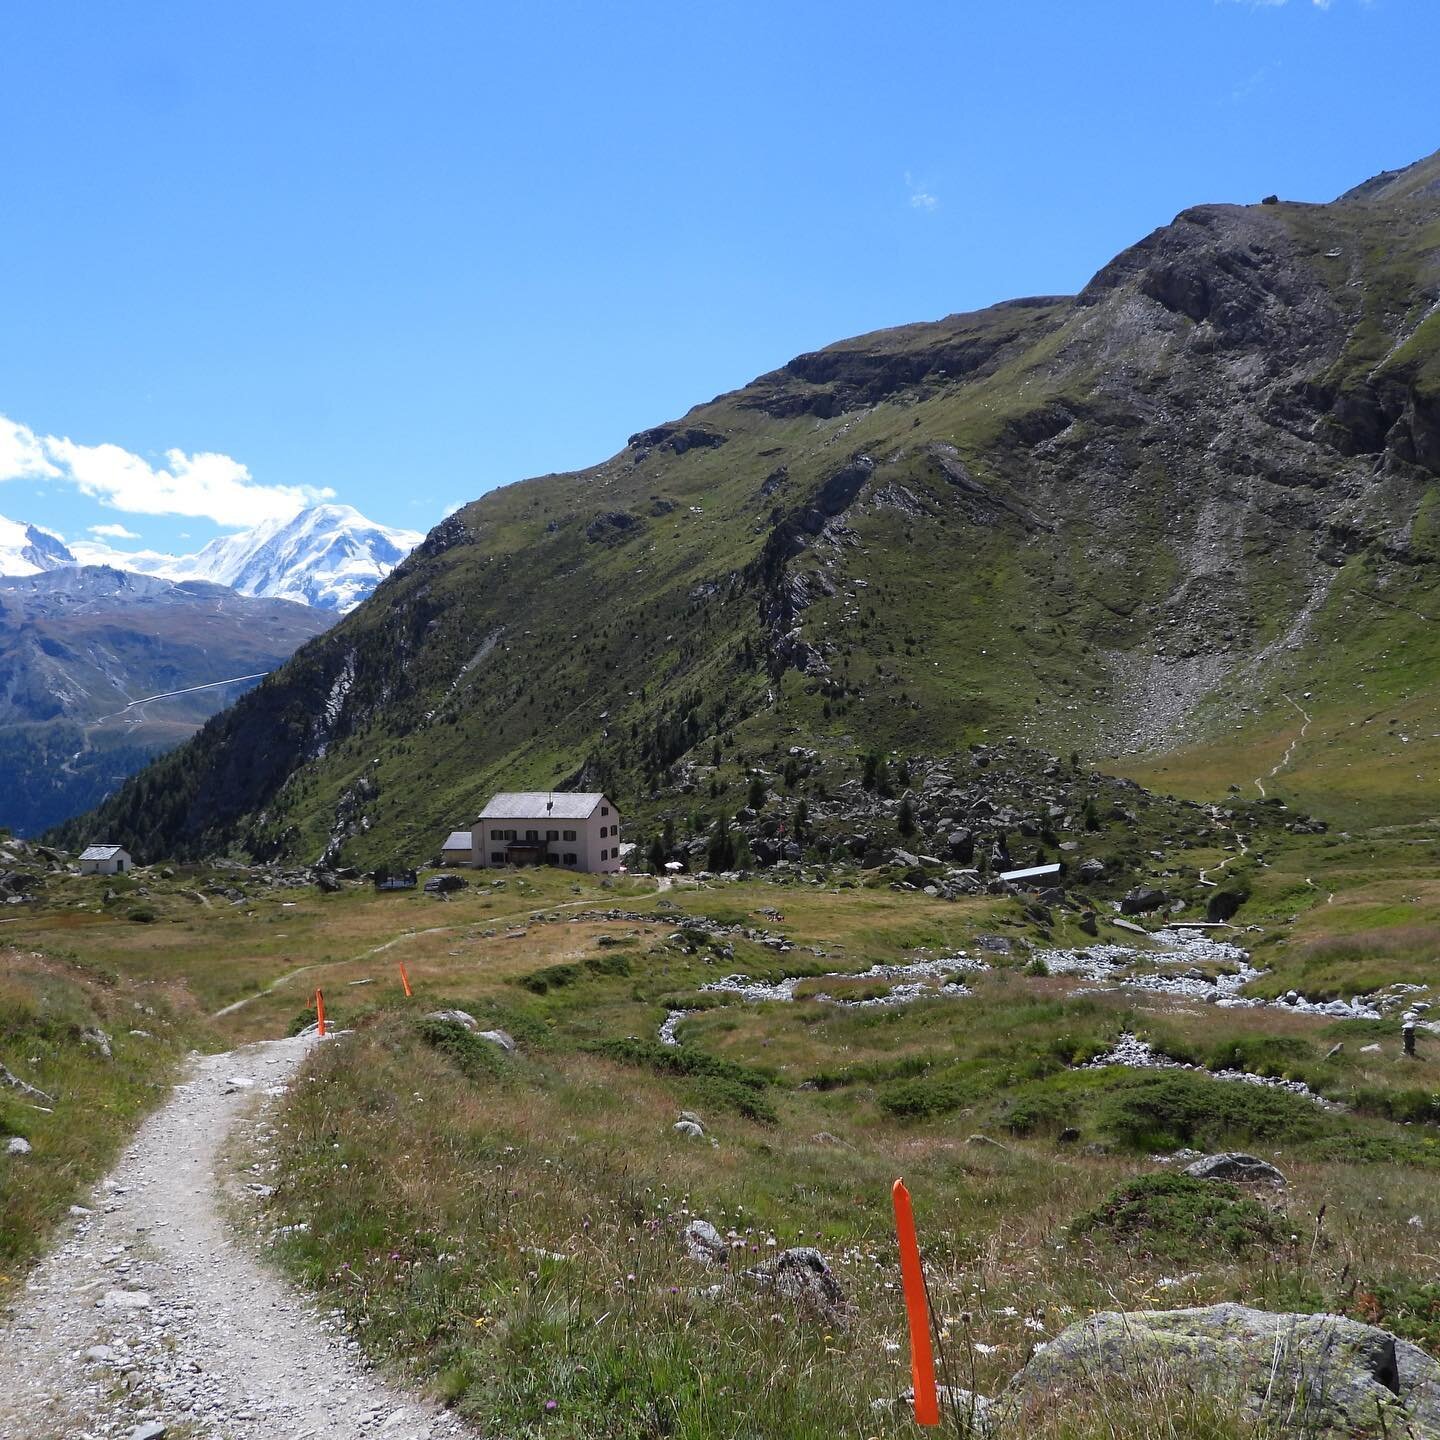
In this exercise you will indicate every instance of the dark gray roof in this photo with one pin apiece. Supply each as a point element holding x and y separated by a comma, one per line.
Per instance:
<point>541,805</point>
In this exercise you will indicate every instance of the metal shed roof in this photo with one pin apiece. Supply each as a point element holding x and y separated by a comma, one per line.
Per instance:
<point>1032,873</point>
<point>458,840</point>
<point>541,805</point>
<point>100,852</point>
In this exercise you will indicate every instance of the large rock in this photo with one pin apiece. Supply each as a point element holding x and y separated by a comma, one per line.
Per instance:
<point>703,1242</point>
<point>800,1274</point>
<point>1143,899</point>
<point>455,1017</point>
<point>1321,1376</point>
<point>443,884</point>
<point>1235,1165</point>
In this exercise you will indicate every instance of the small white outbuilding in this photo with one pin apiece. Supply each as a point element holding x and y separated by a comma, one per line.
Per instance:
<point>458,849</point>
<point>105,860</point>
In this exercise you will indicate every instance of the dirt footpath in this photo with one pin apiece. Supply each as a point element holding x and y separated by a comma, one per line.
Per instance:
<point>152,1317</point>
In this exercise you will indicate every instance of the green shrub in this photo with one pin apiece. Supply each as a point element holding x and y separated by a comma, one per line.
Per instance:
<point>1407,1104</point>
<point>609,964</point>
<point>143,915</point>
<point>473,1057</point>
<point>930,1095</point>
<point>1276,1055</point>
<point>1162,1110</point>
<point>723,1082</point>
<point>1177,1216</point>
<point>541,982</point>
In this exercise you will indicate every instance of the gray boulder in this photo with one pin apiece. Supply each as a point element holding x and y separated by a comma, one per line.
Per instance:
<point>1091,870</point>
<point>98,1041</point>
<point>502,1038</point>
<point>443,884</point>
<point>327,883</point>
<point>800,1274</point>
<point>1143,899</point>
<point>690,1129</point>
<point>17,1145</point>
<point>1235,1165</point>
<point>1321,1376</point>
<point>703,1242</point>
<point>455,1017</point>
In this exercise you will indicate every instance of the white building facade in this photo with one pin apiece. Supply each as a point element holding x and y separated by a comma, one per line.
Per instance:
<point>537,827</point>
<point>105,860</point>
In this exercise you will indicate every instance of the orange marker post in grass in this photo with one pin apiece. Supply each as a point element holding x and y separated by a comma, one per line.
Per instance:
<point>405,980</point>
<point>917,1310</point>
<point>320,1013</point>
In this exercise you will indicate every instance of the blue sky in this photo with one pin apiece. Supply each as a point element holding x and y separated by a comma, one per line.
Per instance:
<point>407,252</point>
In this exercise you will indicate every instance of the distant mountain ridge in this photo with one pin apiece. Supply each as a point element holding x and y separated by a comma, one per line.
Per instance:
<point>327,556</point>
<point>27,549</point>
<point>84,651</point>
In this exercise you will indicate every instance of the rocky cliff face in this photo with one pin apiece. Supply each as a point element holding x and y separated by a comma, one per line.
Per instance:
<point>1172,511</point>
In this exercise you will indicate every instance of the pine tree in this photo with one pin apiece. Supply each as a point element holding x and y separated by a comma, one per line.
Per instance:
<point>755,797</point>
<point>722,846</point>
<point>906,818</point>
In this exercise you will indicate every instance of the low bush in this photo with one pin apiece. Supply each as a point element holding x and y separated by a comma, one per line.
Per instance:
<point>723,1082</point>
<point>1177,1216</point>
<point>1163,1110</point>
<point>473,1057</point>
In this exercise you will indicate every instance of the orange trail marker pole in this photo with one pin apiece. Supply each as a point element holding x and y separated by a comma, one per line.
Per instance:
<point>320,1012</point>
<point>917,1310</point>
<point>405,980</point>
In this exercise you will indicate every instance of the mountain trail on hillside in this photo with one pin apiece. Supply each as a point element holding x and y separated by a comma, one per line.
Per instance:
<point>152,1314</point>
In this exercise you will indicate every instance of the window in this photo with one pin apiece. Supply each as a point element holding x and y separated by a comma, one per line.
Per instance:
<point>552,859</point>
<point>570,860</point>
<point>532,834</point>
<point>604,854</point>
<point>552,834</point>
<point>570,835</point>
<point>604,809</point>
<point>497,834</point>
<point>497,857</point>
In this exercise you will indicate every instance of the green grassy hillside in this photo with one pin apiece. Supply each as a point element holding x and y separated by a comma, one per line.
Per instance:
<point>1152,523</point>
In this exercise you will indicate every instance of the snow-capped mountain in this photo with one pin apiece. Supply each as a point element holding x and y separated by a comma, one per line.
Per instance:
<point>329,556</point>
<point>27,549</point>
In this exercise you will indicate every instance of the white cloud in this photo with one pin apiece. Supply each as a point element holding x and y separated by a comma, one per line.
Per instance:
<point>204,486</point>
<point>921,198</point>
<point>21,455</point>
<point>113,532</point>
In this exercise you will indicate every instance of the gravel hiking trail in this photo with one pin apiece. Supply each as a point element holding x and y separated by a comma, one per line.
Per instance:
<point>152,1317</point>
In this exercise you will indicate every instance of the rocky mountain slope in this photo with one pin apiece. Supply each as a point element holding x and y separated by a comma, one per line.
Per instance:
<point>27,549</point>
<point>1187,520</point>
<point>329,556</point>
<point>100,670</point>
